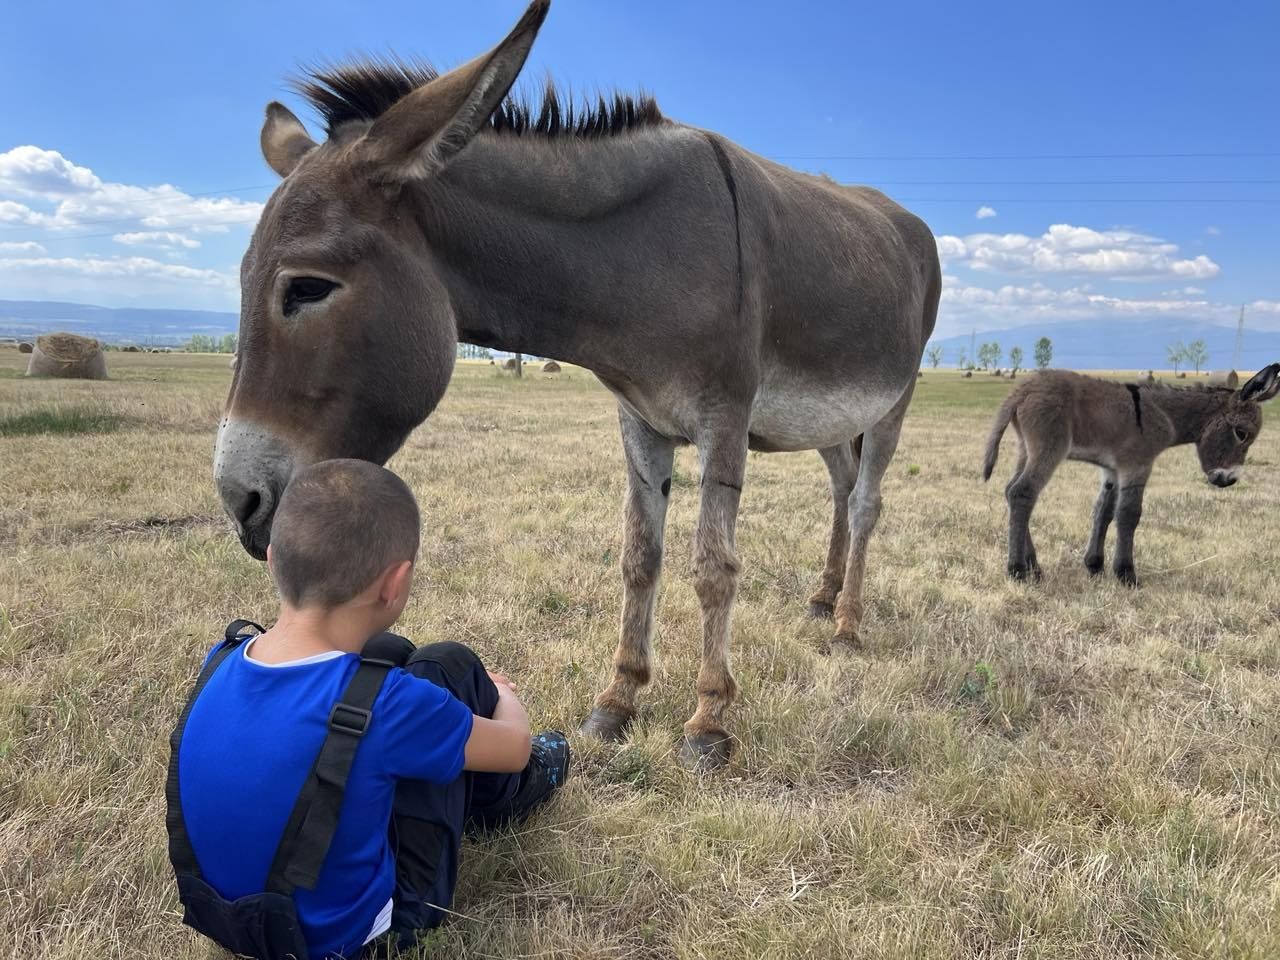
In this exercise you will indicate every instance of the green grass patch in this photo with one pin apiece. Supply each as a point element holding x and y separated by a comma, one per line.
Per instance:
<point>59,421</point>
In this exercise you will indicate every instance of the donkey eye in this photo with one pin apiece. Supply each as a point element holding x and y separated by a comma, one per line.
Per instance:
<point>1241,436</point>
<point>306,290</point>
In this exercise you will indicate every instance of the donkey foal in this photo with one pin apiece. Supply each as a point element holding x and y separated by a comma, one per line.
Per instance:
<point>1121,428</point>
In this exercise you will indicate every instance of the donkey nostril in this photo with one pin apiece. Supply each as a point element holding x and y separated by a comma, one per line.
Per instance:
<point>249,506</point>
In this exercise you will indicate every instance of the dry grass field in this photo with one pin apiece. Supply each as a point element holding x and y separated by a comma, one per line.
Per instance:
<point>1063,770</point>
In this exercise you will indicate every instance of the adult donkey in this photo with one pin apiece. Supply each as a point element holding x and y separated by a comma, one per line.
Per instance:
<point>726,301</point>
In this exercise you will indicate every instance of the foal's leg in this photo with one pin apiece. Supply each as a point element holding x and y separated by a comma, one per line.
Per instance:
<point>842,465</point>
<point>724,457</point>
<point>1103,510</point>
<point>1043,456</point>
<point>878,446</point>
<point>1028,547</point>
<point>649,458</point>
<point>1128,513</point>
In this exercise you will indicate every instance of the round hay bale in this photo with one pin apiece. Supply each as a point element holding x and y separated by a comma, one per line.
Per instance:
<point>25,347</point>
<point>509,363</point>
<point>968,374</point>
<point>132,348</point>
<point>69,356</point>
<point>1224,378</point>
<point>1182,375</point>
<point>551,367</point>
<point>491,363</point>
<point>919,374</point>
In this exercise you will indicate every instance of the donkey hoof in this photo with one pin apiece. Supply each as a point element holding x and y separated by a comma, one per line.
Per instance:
<point>821,610</point>
<point>706,751</point>
<point>1127,576</point>
<point>1093,565</point>
<point>604,724</point>
<point>1023,572</point>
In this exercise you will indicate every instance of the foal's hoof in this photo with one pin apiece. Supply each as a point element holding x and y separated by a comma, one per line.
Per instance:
<point>820,610</point>
<point>706,751</point>
<point>1093,565</point>
<point>845,644</point>
<point>604,724</point>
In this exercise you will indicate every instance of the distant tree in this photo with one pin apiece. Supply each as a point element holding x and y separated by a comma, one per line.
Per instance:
<point>1044,352</point>
<point>934,355</point>
<point>1015,359</point>
<point>989,355</point>
<point>1197,354</point>
<point>200,343</point>
<point>1177,354</point>
<point>228,344</point>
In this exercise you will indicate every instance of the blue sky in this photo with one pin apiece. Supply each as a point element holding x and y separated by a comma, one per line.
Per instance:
<point>130,172</point>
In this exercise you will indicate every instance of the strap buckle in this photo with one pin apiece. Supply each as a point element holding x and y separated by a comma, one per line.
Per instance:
<point>353,721</point>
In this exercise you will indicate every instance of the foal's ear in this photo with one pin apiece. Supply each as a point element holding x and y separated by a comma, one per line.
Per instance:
<point>1264,384</point>
<point>284,139</point>
<point>430,125</point>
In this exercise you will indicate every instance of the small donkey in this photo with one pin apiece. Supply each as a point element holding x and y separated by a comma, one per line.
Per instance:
<point>1121,428</point>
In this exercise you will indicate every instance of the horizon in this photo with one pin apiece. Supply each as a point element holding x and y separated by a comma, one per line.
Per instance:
<point>1114,174</point>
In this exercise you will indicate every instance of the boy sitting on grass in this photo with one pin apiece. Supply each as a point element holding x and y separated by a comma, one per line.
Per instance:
<point>447,744</point>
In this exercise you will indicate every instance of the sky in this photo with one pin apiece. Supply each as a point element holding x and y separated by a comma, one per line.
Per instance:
<point>1104,161</point>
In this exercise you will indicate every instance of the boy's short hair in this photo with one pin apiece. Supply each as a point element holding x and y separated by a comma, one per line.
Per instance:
<point>339,524</point>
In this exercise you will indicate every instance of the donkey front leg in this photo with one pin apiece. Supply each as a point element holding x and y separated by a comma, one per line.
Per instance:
<point>706,742</point>
<point>1103,510</point>
<point>878,446</point>
<point>842,465</point>
<point>1128,513</point>
<point>649,457</point>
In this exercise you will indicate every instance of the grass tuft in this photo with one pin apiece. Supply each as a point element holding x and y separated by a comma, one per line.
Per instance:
<point>60,421</point>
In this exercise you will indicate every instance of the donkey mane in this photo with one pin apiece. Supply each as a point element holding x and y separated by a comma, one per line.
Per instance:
<point>362,90</point>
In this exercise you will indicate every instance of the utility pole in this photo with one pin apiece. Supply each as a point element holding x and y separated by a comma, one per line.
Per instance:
<point>1235,357</point>
<point>973,347</point>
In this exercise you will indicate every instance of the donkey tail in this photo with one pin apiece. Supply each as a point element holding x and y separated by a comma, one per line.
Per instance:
<point>1001,424</point>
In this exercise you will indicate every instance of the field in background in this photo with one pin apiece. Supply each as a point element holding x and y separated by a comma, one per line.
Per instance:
<point>1067,770</point>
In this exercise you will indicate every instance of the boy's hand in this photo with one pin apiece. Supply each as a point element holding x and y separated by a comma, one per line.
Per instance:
<point>502,680</point>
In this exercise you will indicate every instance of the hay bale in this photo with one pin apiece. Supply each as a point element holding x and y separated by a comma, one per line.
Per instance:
<point>1224,378</point>
<point>69,356</point>
<point>1182,375</point>
<point>25,347</point>
<point>132,348</point>
<point>509,363</point>
<point>551,367</point>
<point>968,374</point>
<point>919,374</point>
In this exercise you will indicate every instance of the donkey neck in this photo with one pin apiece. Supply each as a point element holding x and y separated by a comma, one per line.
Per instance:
<point>511,222</point>
<point>1189,409</point>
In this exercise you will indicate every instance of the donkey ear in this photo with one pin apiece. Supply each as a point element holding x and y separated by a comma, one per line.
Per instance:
<point>284,139</point>
<point>429,126</point>
<point>1264,384</point>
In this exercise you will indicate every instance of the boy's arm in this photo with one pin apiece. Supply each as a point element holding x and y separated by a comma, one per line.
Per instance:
<point>499,745</point>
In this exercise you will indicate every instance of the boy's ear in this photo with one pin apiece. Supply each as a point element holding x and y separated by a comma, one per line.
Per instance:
<point>396,582</point>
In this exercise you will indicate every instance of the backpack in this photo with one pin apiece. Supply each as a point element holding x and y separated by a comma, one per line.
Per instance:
<point>265,925</point>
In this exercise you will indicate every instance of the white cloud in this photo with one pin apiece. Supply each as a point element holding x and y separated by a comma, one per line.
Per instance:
<point>985,212</point>
<point>77,197</point>
<point>1078,251</point>
<point>156,238</point>
<point>113,280</point>
<point>26,246</point>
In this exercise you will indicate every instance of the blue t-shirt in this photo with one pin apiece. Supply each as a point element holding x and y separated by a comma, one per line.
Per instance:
<point>250,741</point>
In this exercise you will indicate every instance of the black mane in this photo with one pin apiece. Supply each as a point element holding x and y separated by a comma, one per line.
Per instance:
<point>363,90</point>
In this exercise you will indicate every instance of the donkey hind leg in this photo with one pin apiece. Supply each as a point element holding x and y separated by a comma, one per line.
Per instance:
<point>878,446</point>
<point>724,457</point>
<point>1128,513</point>
<point>842,465</point>
<point>1029,548</point>
<point>649,457</point>
<point>1022,493</point>
<point>1103,510</point>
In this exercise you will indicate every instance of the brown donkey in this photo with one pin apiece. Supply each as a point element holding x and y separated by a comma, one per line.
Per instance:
<point>726,301</point>
<point>1121,428</point>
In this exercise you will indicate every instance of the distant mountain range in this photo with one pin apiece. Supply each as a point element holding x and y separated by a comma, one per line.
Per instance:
<point>1083,345</point>
<point>1130,345</point>
<point>29,318</point>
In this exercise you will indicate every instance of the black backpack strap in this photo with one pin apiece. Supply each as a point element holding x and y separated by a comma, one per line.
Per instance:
<point>181,853</point>
<point>314,820</point>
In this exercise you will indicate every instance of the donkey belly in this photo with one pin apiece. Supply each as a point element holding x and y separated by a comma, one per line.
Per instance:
<point>795,416</point>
